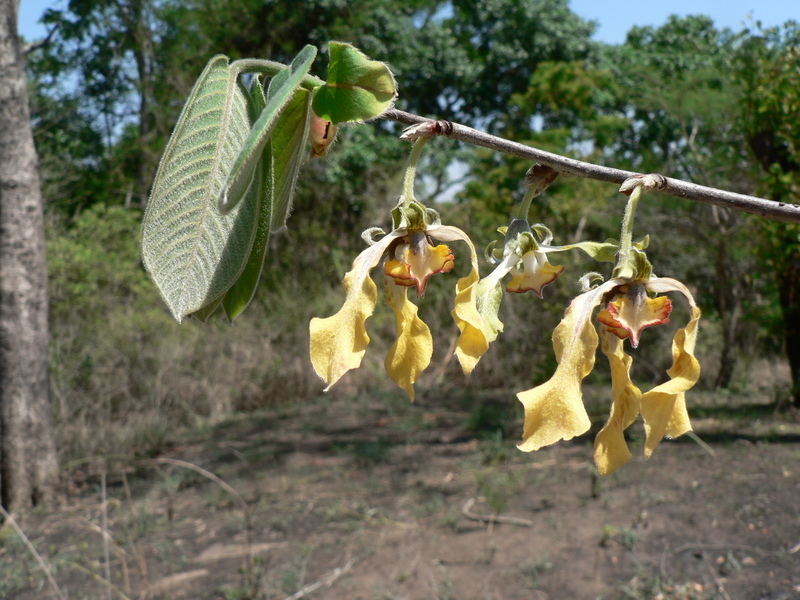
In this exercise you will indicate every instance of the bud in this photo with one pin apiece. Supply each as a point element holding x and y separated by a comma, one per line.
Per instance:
<point>322,135</point>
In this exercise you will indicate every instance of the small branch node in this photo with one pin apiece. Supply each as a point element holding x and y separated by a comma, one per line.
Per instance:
<point>420,130</point>
<point>539,177</point>
<point>649,182</point>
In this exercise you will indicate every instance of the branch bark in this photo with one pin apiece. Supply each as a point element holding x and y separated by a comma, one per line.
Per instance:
<point>769,209</point>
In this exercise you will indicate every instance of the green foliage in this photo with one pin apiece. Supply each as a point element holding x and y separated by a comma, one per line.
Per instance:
<point>474,61</point>
<point>93,257</point>
<point>194,252</point>
<point>277,176</point>
<point>123,373</point>
<point>356,88</point>
<point>101,310</point>
<point>200,244</point>
<point>684,99</point>
<point>770,82</point>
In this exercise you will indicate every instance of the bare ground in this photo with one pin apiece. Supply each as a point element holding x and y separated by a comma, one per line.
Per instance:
<point>377,499</point>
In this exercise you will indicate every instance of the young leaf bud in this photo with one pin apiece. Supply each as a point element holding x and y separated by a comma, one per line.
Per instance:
<point>322,135</point>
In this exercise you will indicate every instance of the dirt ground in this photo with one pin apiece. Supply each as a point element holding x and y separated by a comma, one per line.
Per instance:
<point>376,499</point>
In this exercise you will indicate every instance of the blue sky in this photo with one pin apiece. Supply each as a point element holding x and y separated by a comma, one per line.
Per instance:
<point>617,17</point>
<point>614,18</point>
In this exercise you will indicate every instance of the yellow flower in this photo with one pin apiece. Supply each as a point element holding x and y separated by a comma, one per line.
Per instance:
<point>338,343</point>
<point>535,274</point>
<point>631,310</point>
<point>554,410</point>
<point>416,259</point>
<point>524,257</point>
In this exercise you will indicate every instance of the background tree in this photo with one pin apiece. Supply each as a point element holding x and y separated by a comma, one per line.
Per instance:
<point>678,81</point>
<point>102,119</point>
<point>28,466</point>
<point>668,100</point>
<point>767,65</point>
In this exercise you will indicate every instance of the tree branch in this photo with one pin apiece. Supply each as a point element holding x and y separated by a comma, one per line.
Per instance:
<point>28,48</point>
<point>770,209</point>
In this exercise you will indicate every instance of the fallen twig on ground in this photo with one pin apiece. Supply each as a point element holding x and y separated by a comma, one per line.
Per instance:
<point>686,547</point>
<point>327,580</point>
<point>465,510</point>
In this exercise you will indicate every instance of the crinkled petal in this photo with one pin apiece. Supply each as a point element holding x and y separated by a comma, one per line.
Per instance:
<point>338,343</point>
<point>475,336</point>
<point>536,274</point>
<point>610,449</point>
<point>664,407</point>
<point>411,353</point>
<point>554,410</point>
<point>632,310</point>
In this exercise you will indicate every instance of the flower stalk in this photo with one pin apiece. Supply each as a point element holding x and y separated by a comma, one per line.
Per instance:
<point>626,268</point>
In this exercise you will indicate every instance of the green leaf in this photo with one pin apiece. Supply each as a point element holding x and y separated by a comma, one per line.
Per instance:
<point>357,89</point>
<point>192,251</point>
<point>241,174</point>
<point>288,144</point>
<point>280,164</point>
<point>601,252</point>
<point>241,292</point>
<point>204,313</point>
<point>244,288</point>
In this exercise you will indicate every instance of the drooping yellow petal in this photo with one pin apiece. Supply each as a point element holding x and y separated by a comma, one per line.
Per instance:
<point>664,407</point>
<point>490,295</point>
<point>412,351</point>
<point>610,449</point>
<point>338,343</point>
<point>554,410</point>
<point>488,299</point>
<point>475,337</point>
<point>632,310</point>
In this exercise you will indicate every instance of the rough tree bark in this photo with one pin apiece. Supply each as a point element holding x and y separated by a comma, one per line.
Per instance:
<point>28,466</point>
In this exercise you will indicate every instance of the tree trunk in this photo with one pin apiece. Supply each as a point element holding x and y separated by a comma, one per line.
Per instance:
<point>28,467</point>
<point>789,293</point>
<point>729,307</point>
<point>136,17</point>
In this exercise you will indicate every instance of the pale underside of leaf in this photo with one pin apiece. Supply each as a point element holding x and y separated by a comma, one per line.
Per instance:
<point>193,252</point>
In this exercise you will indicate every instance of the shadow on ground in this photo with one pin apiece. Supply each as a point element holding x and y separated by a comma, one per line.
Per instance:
<point>373,498</point>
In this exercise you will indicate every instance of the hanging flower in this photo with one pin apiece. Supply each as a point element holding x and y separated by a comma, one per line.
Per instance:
<point>338,343</point>
<point>524,257</point>
<point>630,303</point>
